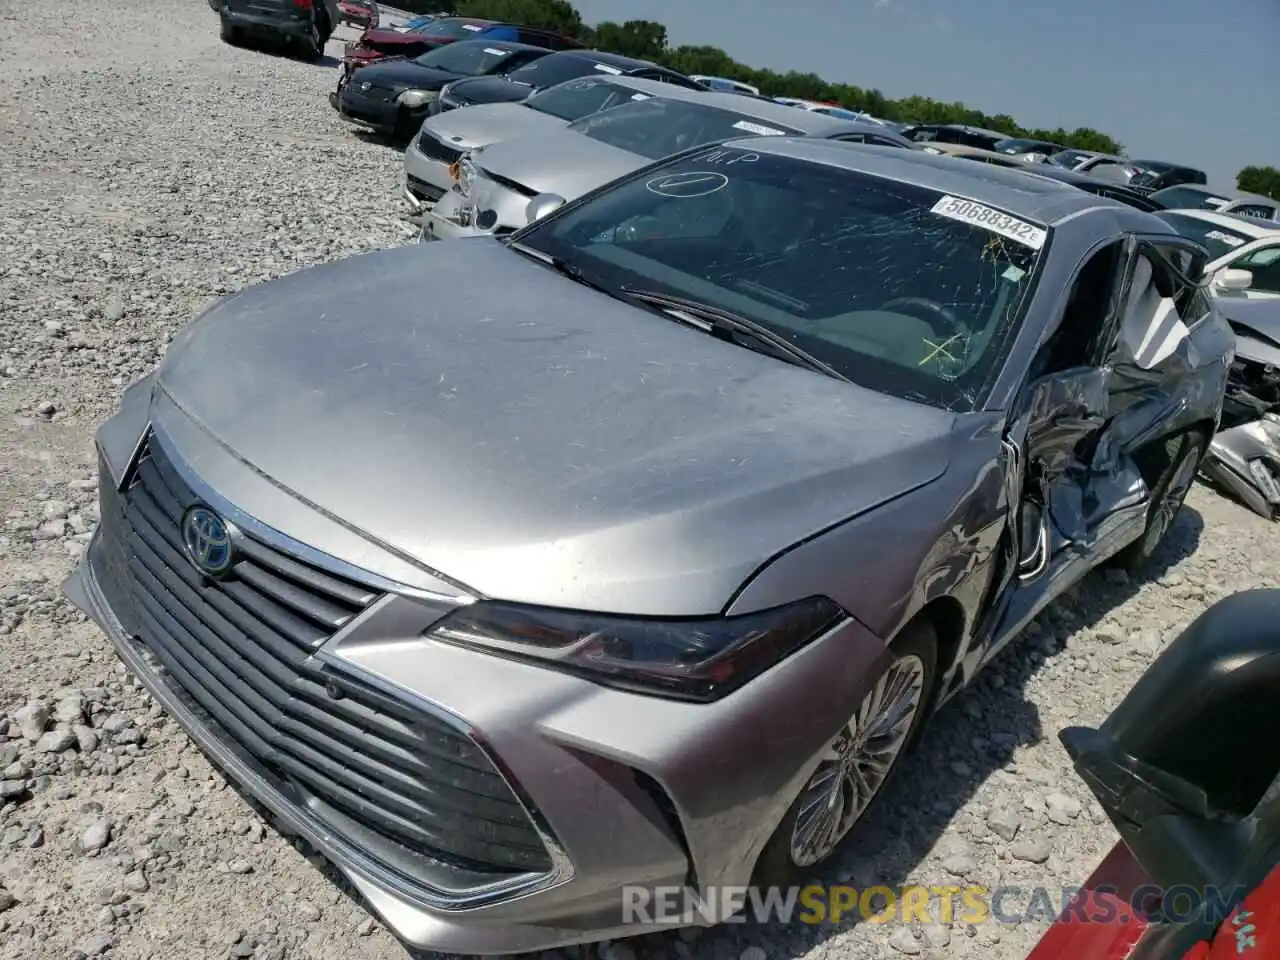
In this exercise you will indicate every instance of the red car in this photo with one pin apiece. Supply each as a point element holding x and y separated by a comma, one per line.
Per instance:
<point>1188,770</point>
<point>376,44</point>
<point>359,13</point>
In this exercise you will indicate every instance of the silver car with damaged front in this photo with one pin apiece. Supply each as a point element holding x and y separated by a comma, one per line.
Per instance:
<point>495,183</point>
<point>639,559</point>
<point>431,159</point>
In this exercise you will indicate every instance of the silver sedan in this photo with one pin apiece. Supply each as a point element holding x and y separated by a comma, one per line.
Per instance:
<point>496,183</point>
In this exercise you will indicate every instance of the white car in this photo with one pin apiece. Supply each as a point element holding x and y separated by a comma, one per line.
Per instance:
<point>1196,196</point>
<point>1245,252</point>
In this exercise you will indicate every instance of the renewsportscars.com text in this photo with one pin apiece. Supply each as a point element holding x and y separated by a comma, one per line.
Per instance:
<point>970,904</point>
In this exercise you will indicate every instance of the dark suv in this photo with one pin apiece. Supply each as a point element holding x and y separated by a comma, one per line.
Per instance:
<point>1153,175</point>
<point>955,133</point>
<point>551,70</point>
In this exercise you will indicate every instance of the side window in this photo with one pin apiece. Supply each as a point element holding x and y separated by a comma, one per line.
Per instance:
<point>1264,264</point>
<point>1081,336</point>
<point>881,142</point>
<point>852,138</point>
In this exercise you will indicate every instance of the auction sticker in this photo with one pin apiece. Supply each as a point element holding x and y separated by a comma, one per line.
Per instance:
<point>758,129</point>
<point>978,215</point>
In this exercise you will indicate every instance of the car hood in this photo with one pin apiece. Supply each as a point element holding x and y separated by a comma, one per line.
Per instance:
<point>379,37</point>
<point>405,74</point>
<point>490,90</point>
<point>1257,326</point>
<point>488,123</point>
<point>561,161</point>
<point>531,438</point>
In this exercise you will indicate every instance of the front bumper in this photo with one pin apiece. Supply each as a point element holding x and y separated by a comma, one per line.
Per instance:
<point>427,178</point>
<point>260,25</point>
<point>622,789</point>
<point>371,111</point>
<point>1245,461</point>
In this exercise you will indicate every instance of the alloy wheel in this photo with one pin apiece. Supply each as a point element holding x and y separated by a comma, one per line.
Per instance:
<point>857,762</point>
<point>1175,493</point>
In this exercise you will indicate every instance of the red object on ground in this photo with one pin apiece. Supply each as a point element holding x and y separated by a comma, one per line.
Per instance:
<point>1100,924</point>
<point>1252,932</point>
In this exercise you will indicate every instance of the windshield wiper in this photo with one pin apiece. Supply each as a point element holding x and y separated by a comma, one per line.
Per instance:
<point>565,269</point>
<point>725,324</point>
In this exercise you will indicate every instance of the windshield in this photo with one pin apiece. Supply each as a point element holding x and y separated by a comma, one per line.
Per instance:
<point>582,97</point>
<point>469,59</point>
<point>655,128</point>
<point>549,71</point>
<point>894,286</point>
<point>1017,145</point>
<point>840,112</point>
<point>450,29</point>
<point>1218,240</point>
<point>1188,198</point>
<point>1069,158</point>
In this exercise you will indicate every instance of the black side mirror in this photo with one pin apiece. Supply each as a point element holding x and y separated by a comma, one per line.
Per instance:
<point>1187,766</point>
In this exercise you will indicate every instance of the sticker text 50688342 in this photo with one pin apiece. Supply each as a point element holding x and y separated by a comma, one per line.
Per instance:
<point>979,215</point>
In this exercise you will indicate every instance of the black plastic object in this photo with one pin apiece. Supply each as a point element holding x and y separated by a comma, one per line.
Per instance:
<point>1188,765</point>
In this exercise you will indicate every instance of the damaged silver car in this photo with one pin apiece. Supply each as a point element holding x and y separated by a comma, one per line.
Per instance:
<point>1244,280</point>
<point>641,563</point>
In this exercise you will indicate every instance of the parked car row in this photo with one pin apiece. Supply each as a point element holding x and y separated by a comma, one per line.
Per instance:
<point>744,411</point>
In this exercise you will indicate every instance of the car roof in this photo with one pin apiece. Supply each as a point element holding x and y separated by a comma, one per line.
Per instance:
<point>1229,195</point>
<point>487,22</point>
<point>1257,229</point>
<point>1162,166</point>
<point>806,121</point>
<point>1036,198</point>
<point>967,128</point>
<point>610,59</point>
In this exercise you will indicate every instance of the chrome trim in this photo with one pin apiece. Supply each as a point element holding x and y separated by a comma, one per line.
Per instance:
<point>1040,559</point>
<point>281,541</point>
<point>331,653</point>
<point>345,855</point>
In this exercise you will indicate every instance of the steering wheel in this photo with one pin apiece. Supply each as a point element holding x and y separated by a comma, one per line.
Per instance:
<point>930,311</point>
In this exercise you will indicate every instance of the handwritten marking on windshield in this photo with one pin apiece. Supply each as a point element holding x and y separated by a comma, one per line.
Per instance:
<point>684,186</point>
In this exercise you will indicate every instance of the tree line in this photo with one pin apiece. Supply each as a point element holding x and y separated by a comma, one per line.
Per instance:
<point>647,40</point>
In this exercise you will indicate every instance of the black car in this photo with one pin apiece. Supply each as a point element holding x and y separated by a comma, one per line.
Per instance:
<point>391,96</point>
<point>1153,175</point>
<point>549,71</point>
<point>1094,185</point>
<point>304,24</point>
<point>1100,188</point>
<point>1023,146</point>
<point>955,133</point>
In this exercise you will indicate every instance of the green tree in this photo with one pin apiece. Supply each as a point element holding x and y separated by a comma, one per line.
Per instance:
<point>642,39</point>
<point>648,40</point>
<point>558,15</point>
<point>1263,180</point>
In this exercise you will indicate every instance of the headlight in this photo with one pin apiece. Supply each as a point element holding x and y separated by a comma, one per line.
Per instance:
<point>416,98</point>
<point>465,174</point>
<point>699,659</point>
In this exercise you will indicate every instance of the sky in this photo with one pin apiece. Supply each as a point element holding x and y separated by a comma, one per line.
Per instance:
<point>1187,81</point>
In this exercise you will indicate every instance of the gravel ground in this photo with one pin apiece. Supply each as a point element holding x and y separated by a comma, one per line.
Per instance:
<point>140,181</point>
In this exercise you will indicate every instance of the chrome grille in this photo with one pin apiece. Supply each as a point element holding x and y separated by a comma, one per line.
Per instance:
<point>433,148</point>
<point>412,789</point>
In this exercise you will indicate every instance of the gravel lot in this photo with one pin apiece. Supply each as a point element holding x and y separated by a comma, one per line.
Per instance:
<point>147,169</point>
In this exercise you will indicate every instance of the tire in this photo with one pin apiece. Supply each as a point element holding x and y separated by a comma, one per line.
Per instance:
<point>1177,458</point>
<point>228,33</point>
<point>312,45</point>
<point>913,666</point>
